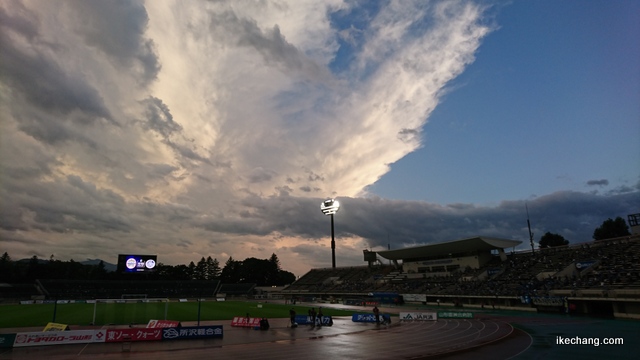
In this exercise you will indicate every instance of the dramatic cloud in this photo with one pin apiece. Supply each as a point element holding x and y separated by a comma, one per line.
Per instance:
<point>190,129</point>
<point>603,182</point>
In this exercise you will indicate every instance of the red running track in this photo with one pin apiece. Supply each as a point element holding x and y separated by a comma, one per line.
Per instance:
<point>443,339</point>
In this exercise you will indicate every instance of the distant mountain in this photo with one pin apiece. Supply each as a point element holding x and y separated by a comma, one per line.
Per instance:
<point>107,266</point>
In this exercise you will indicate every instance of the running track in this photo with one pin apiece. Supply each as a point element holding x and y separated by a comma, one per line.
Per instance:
<point>444,339</point>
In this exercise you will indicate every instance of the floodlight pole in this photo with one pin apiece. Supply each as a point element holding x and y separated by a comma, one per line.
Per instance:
<point>330,207</point>
<point>333,245</point>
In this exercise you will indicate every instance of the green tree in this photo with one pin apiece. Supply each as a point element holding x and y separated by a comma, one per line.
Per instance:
<point>5,258</point>
<point>201,270</point>
<point>255,271</point>
<point>34,270</point>
<point>192,270</point>
<point>611,229</point>
<point>552,240</point>
<point>273,270</point>
<point>98,271</point>
<point>275,261</point>
<point>231,272</point>
<point>285,278</point>
<point>180,272</point>
<point>213,268</point>
<point>6,268</point>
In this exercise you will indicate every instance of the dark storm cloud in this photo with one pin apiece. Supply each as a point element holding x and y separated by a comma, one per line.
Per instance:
<point>273,46</point>
<point>166,213</point>
<point>572,214</point>
<point>623,189</point>
<point>47,101</point>
<point>259,175</point>
<point>25,24</point>
<point>262,216</point>
<point>160,170</point>
<point>408,135</point>
<point>43,83</point>
<point>401,223</point>
<point>10,218</point>
<point>603,182</point>
<point>313,176</point>
<point>118,29</point>
<point>187,152</point>
<point>158,118</point>
<point>75,204</point>
<point>58,206</point>
<point>51,129</point>
<point>270,44</point>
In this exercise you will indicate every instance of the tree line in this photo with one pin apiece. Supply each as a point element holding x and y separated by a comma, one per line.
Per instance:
<point>262,272</point>
<point>608,230</point>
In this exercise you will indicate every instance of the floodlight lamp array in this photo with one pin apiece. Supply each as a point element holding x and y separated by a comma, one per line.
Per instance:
<point>330,206</point>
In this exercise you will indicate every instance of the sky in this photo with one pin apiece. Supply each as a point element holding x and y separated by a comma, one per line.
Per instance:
<point>190,129</point>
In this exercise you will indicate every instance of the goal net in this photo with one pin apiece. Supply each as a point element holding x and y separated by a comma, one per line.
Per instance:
<point>129,311</point>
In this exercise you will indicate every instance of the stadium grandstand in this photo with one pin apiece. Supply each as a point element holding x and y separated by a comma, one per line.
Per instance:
<point>18,291</point>
<point>599,278</point>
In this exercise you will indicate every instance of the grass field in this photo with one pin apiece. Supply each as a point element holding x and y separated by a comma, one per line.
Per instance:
<point>140,313</point>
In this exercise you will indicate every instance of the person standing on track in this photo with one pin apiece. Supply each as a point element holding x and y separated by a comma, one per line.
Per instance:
<point>312,316</point>
<point>376,312</point>
<point>292,316</point>
<point>319,317</point>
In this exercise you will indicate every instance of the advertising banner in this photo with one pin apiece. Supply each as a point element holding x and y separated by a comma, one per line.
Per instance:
<point>245,321</point>
<point>548,301</point>
<point>414,297</point>
<point>6,340</point>
<point>455,315</point>
<point>136,334</point>
<point>59,337</point>
<point>192,332</point>
<point>370,318</point>
<point>152,324</point>
<point>583,265</point>
<point>306,320</point>
<point>418,316</point>
<point>56,327</point>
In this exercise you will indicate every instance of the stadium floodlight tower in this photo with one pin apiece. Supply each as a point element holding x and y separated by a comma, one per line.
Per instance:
<point>330,207</point>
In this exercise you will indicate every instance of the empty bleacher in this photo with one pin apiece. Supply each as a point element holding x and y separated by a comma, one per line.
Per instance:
<point>17,292</point>
<point>616,266</point>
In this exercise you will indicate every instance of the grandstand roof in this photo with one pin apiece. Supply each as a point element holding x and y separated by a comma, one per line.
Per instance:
<point>474,244</point>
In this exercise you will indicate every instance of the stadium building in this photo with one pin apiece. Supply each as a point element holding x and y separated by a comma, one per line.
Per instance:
<point>597,278</point>
<point>447,257</point>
